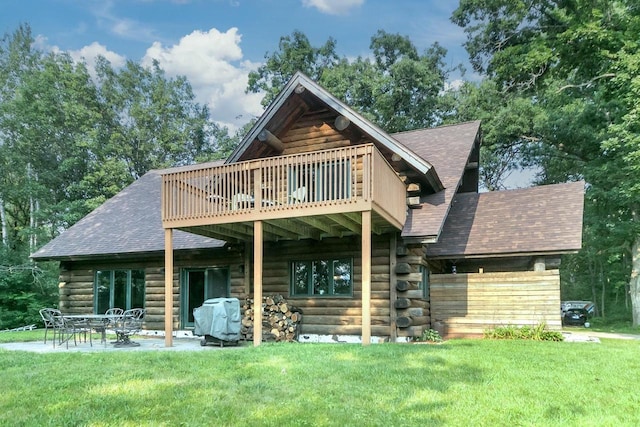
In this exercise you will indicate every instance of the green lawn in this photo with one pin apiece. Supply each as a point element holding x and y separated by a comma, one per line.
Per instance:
<point>460,383</point>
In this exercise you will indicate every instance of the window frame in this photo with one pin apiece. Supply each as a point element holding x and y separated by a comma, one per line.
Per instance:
<point>310,293</point>
<point>129,303</point>
<point>424,281</point>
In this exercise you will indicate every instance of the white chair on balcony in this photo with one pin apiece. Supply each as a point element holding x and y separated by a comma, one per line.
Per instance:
<point>299,195</point>
<point>241,201</point>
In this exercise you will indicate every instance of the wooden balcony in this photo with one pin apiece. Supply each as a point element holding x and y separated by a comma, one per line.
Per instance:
<point>310,195</point>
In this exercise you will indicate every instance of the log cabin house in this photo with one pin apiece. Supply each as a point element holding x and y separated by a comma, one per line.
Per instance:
<point>374,236</point>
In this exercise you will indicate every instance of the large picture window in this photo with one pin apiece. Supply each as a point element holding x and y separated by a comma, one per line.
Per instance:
<point>331,277</point>
<point>119,288</point>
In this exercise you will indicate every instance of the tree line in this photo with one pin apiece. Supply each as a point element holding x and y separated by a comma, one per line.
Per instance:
<point>559,94</point>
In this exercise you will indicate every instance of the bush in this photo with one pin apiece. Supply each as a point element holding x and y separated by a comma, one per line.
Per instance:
<point>430,335</point>
<point>24,290</point>
<point>535,333</point>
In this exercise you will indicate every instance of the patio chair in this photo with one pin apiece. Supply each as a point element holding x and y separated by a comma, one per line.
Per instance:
<point>81,328</point>
<point>64,328</point>
<point>47,318</point>
<point>129,324</point>
<point>299,195</point>
<point>101,325</point>
<point>54,320</point>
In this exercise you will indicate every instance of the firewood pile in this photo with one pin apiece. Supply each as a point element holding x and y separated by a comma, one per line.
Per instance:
<point>280,321</point>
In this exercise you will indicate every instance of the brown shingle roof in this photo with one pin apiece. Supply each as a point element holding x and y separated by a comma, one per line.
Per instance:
<point>544,219</point>
<point>447,148</point>
<point>128,223</point>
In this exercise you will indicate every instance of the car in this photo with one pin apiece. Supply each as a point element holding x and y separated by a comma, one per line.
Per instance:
<point>587,305</point>
<point>575,317</point>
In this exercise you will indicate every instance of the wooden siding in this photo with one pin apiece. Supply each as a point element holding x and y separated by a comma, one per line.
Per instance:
<point>326,315</point>
<point>411,307</point>
<point>313,132</point>
<point>321,315</point>
<point>77,282</point>
<point>470,303</point>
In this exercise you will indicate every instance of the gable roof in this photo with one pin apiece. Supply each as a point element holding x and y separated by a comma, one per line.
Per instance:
<point>448,148</point>
<point>301,91</point>
<point>539,220</point>
<point>129,223</point>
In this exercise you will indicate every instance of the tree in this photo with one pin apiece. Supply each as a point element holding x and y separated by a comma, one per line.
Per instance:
<point>151,121</point>
<point>295,53</point>
<point>69,142</point>
<point>578,60</point>
<point>399,89</point>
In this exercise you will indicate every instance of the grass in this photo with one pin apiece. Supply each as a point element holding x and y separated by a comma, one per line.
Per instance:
<point>622,326</point>
<point>462,382</point>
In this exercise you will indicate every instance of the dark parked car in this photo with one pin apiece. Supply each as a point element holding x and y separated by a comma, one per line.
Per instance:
<point>575,317</point>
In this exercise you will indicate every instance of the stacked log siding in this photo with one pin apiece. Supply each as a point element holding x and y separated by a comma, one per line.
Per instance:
<point>468,304</point>
<point>322,315</point>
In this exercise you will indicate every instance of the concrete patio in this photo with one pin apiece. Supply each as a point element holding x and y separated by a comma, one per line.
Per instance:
<point>146,344</point>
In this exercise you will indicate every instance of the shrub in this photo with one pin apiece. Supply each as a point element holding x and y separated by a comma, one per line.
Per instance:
<point>430,335</point>
<point>511,332</point>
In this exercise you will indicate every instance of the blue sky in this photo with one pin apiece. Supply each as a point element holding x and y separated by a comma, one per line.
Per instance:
<point>215,43</point>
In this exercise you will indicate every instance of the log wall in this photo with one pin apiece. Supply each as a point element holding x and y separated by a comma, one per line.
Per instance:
<point>468,304</point>
<point>77,281</point>
<point>314,131</point>
<point>321,315</point>
<point>411,306</point>
<point>332,315</point>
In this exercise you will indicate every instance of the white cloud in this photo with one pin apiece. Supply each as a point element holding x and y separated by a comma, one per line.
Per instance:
<point>212,62</point>
<point>333,7</point>
<point>87,54</point>
<point>91,52</point>
<point>453,85</point>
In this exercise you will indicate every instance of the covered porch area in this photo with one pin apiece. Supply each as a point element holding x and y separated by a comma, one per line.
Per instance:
<point>333,193</point>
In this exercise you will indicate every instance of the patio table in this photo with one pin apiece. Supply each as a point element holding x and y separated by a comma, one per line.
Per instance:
<point>99,320</point>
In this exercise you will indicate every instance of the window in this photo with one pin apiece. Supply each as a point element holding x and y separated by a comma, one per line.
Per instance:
<point>424,282</point>
<point>119,288</point>
<point>322,278</point>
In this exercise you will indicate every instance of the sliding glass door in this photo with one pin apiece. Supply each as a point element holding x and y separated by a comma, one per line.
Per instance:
<point>198,285</point>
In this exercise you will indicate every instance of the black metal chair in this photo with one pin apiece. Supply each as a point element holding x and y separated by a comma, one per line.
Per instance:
<point>64,328</point>
<point>47,318</point>
<point>129,324</point>
<point>101,325</point>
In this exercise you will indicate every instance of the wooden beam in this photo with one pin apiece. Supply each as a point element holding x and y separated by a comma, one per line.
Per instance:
<point>300,229</point>
<point>168,287</point>
<point>257,282</point>
<point>271,140</point>
<point>315,222</point>
<point>247,269</point>
<point>393,294</point>
<point>471,165</point>
<point>366,278</point>
<point>279,230</point>
<point>353,216</point>
<point>342,123</point>
<point>345,222</point>
<point>226,231</point>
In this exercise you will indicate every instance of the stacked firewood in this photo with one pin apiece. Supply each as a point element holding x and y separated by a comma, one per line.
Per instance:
<point>280,321</point>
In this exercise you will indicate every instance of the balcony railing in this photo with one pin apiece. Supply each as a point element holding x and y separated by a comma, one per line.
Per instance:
<point>323,182</point>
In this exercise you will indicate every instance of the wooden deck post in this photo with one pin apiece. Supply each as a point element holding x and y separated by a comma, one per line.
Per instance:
<point>168,287</point>
<point>366,277</point>
<point>257,283</point>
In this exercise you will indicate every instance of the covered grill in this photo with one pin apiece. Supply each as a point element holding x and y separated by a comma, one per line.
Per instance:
<point>218,321</point>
